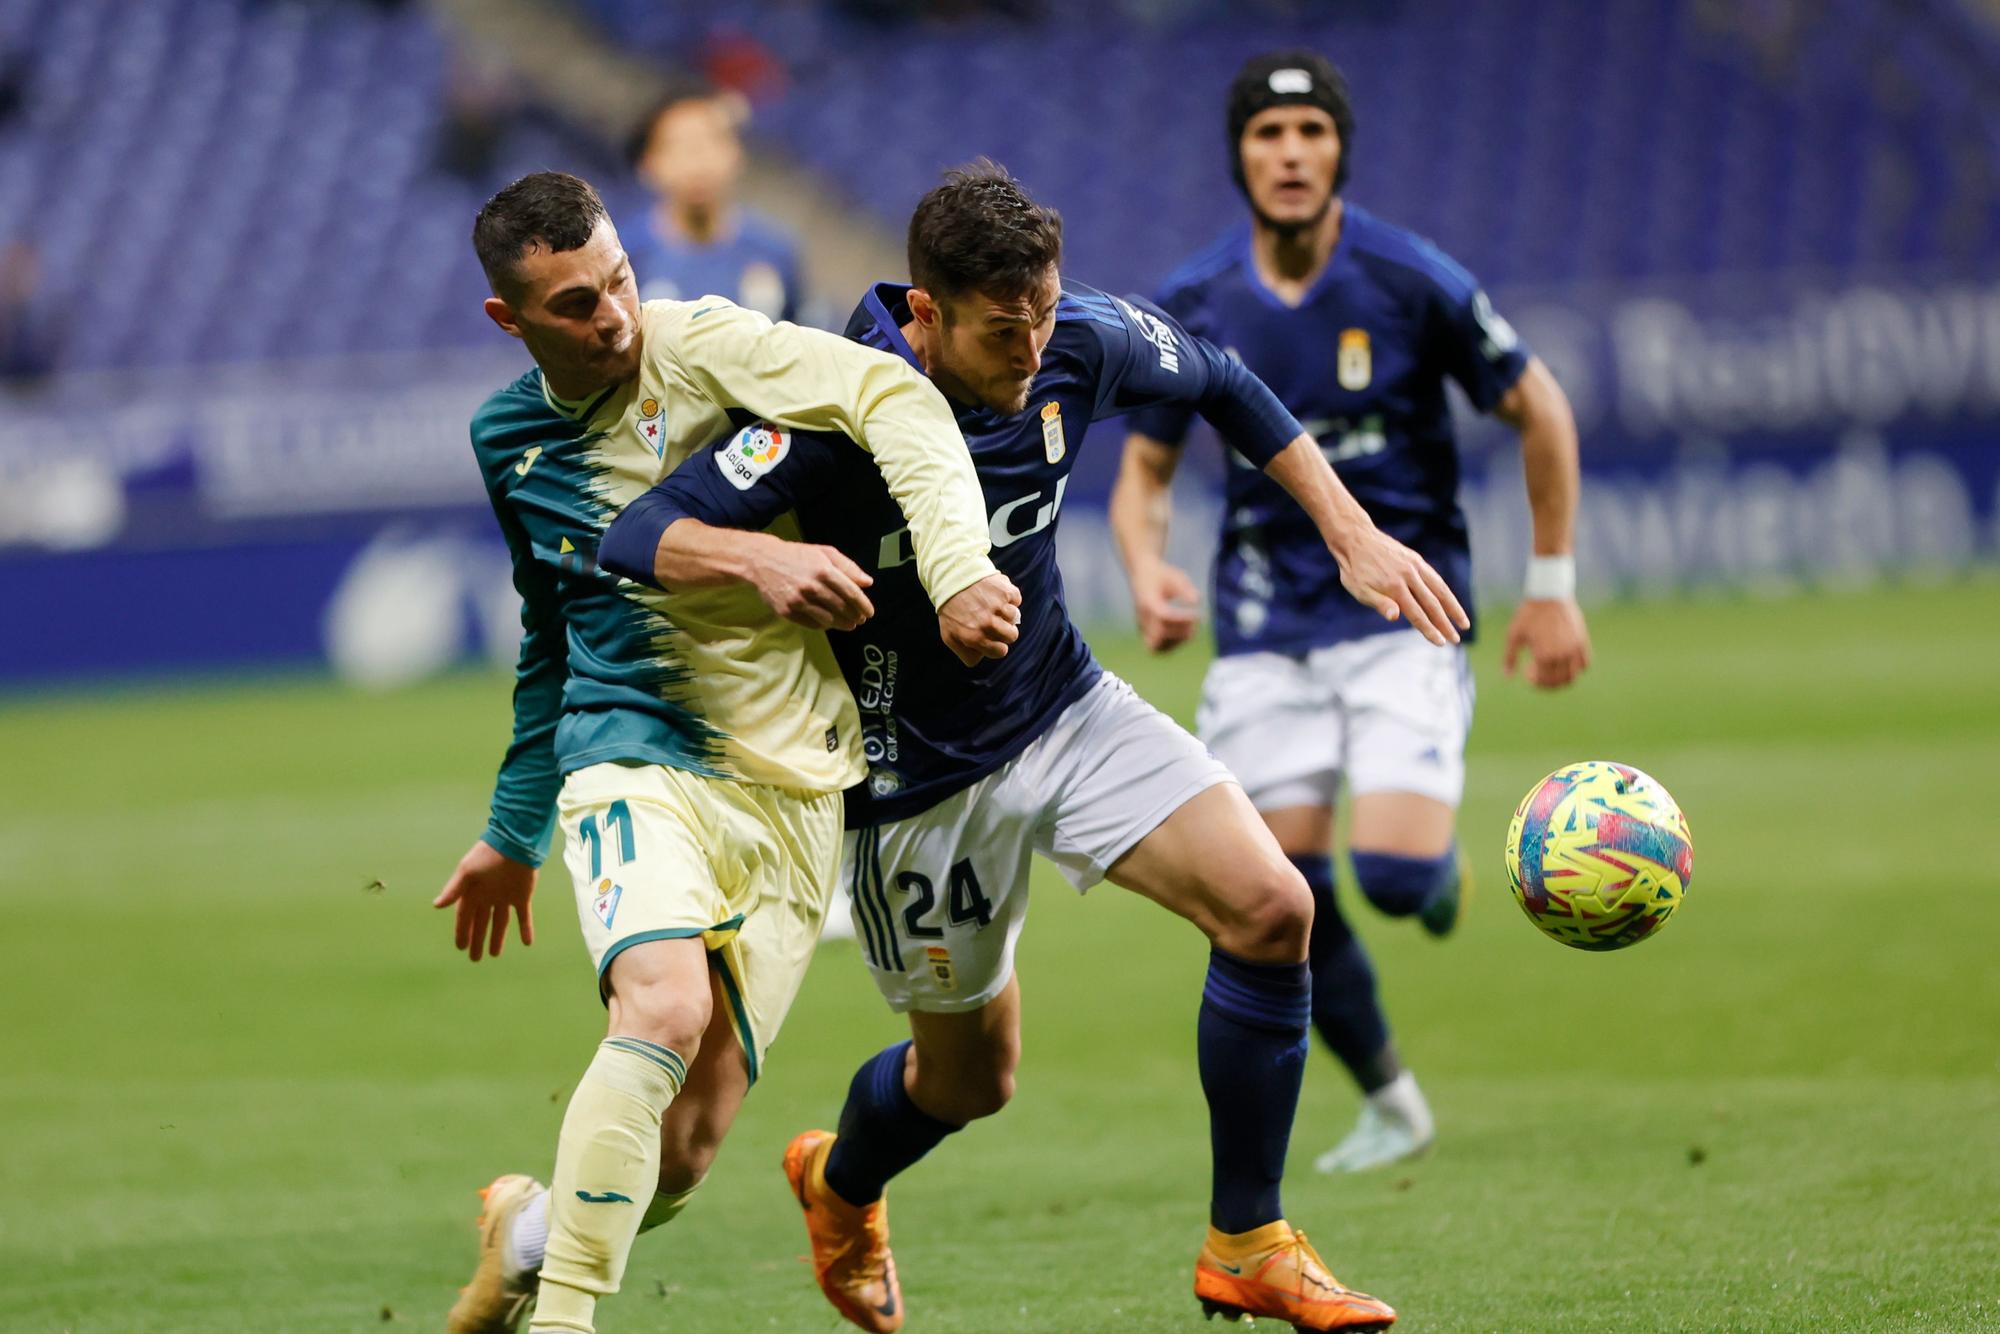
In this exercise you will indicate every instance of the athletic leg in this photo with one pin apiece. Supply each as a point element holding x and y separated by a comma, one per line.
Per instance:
<point>608,1154</point>
<point>691,1133</point>
<point>1405,857</point>
<point>699,962</point>
<point>1280,725</point>
<point>1408,706</point>
<point>955,1069</point>
<point>1215,864</point>
<point>1156,815</point>
<point>939,900</point>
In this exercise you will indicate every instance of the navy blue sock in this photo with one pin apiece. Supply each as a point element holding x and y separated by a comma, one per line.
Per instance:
<point>1401,886</point>
<point>1252,1042</point>
<point>1344,1008</point>
<point>881,1130</point>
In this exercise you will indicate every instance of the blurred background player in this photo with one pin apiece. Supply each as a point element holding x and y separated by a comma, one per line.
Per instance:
<point>694,749</point>
<point>698,239</point>
<point>1042,752</point>
<point>1357,325</point>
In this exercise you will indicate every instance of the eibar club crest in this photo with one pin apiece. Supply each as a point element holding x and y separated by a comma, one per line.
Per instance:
<point>1355,366</point>
<point>652,425</point>
<point>1053,444</point>
<point>605,905</point>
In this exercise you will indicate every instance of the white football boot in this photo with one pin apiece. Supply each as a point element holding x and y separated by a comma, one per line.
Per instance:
<point>1395,1124</point>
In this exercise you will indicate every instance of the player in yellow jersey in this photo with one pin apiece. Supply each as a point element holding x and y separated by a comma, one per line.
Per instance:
<point>694,744</point>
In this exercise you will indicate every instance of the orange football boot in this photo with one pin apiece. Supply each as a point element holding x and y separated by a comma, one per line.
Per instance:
<point>497,1297</point>
<point>1274,1272</point>
<point>850,1245</point>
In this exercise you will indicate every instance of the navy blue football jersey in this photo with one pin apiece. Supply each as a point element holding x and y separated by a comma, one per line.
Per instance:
<point>1362,360</point>
<point>756,265</point>
<point>931,726</point>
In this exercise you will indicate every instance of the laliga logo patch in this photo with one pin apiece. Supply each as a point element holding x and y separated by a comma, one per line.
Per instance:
<point>1053,444</point>
<point>1355,367</point>
<point>605,905</point>
<point>756,450</point>
<point>652,425</point>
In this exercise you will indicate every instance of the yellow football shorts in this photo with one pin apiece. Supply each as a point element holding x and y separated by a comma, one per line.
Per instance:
<point>658,853</point>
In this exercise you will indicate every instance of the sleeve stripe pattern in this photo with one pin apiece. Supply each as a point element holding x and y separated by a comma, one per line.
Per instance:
<point>1077,305</point>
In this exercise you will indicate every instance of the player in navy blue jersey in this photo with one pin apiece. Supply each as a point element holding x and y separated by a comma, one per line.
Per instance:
<point>1356,325</point>
<point>700,240</point>
<point>972,770</point>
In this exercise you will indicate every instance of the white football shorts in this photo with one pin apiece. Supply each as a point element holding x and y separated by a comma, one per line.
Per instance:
<point>1390,712</point>
<point>939,898</point>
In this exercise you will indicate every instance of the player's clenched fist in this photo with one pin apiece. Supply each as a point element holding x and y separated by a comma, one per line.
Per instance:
<point>1552,633</point>
<point>982,620</point>
<point>814,586</point>
<point>486,887</point>
<point>1384,574</point>
<point>1168,605</point>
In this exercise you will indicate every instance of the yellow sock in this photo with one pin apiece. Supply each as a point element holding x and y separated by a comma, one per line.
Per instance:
<point>607,1161</point>
<point>665,1207</point>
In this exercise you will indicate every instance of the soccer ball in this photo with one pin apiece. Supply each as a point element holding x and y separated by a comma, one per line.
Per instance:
<point>1598,855</point>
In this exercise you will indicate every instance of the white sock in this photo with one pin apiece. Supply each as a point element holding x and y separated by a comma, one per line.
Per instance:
<point>528,1238</point>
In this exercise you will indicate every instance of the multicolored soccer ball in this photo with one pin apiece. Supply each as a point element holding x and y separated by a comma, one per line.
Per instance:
<point>1598,855</point>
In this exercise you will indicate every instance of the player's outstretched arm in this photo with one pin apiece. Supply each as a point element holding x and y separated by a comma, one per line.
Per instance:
<point>814,381</point>
<point>810,585</point>
<point>1377,569</point>
<point>486,888</point>
<point>1166,600</point>
<point>698,529</point>
<point>1548,625</point>
<point>497,877</point>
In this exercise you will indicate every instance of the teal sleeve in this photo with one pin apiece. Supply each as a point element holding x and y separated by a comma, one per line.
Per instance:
<point>524,796</point>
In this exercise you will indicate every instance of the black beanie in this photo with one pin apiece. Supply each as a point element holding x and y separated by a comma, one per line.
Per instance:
<point>1289,78</point>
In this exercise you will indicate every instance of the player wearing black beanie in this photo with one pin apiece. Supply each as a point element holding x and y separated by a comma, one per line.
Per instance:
<point>1289,78</point>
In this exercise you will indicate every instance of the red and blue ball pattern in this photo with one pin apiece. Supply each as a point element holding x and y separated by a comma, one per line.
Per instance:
<point>1598,855</point>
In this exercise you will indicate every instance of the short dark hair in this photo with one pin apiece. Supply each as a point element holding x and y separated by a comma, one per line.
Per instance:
<point>980,232</point>
<point>548,208</point>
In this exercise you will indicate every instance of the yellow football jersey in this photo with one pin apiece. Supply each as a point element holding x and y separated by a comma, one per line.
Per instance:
<point>710,679</point>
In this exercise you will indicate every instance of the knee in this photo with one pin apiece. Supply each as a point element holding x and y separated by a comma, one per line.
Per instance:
<point>1269,916</point>
<point>674,1017</point>
<point>1400,886</point>
<point>984,1094</point>
<point>966,1092</point>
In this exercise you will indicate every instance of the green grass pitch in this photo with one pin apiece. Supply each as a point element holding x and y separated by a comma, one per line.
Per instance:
<point>246,1085</point>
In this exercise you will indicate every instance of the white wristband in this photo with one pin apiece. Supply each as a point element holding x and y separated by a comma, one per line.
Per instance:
<point>1550,578</point>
